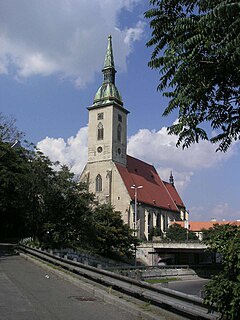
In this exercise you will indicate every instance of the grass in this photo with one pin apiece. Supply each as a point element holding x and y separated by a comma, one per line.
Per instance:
<point>164,280</point>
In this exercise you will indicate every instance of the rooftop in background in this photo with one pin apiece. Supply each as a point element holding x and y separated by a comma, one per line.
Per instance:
<point>198,226</point>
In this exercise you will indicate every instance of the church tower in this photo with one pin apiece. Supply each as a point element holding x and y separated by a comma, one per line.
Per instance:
<point>107,127</point>
<point>107,137</point>
<point>117,178</point>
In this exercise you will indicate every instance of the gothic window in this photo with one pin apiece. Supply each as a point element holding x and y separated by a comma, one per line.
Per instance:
<point>164,223</point>
<point>158,222</point>
<point>98,183</point>
<point>120,118</point>
<point>119,133</point>
<point>149,223</point>
<point>100,116</point>
<point>100,131</point>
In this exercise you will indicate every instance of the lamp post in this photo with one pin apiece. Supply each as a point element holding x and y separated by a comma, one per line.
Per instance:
<point>135,215</point>
<point>135,206</point>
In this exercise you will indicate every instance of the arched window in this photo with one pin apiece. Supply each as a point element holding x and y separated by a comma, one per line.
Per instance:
<point>158,221</point>
<point>119,133</point>
<point>100,131</point>
<point>149,222</point>
<point>98,183</point>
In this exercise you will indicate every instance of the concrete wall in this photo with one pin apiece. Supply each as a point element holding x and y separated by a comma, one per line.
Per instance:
<point>151,253</point>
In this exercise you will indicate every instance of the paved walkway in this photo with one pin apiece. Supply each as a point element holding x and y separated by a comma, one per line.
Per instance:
<point>28,292</point>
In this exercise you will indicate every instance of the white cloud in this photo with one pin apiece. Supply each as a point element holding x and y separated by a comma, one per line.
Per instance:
<point>155,147</point>
<point>3,69</point>
<point>72,153</point>
<point>133,34</point>
<point>159,148</point>
<point>65,36</point>
<point>36,64</point>
<point>224,211</point>
<point>220,212</point>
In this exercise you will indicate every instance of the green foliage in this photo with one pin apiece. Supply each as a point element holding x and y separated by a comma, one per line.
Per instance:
<point>13,182</point>
<point>69,211</point>
<point>177,233</point>
<point>53,208</point>
<point>206,233</point>
<point>196,49</point>
<point>8,129</point>
<point>224,289</point>
<point>164,280</point>
<point>110,236</point>
<point>155,232</point>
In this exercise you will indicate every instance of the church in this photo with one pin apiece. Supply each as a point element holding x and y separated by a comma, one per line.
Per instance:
<point>130,185</point>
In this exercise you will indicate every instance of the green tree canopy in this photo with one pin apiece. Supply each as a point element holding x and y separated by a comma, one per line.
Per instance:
<point>110,236</point>
<point>196,50</point>
<point>53,208</point>
<point>8,129</point>
<point>13,194</point>
<point>176,232</point>
<point>224,289</point>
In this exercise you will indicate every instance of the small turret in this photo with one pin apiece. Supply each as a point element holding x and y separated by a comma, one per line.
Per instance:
<point>171,180</point>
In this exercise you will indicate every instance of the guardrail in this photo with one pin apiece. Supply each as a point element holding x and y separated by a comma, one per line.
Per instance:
<point>167,266</point>
<point>189,306</point>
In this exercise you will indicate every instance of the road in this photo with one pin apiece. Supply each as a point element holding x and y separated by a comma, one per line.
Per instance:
<point>28,292</point>
<point>193,287</point>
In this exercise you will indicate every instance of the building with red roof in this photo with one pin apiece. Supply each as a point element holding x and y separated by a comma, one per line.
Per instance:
<point>132,186</point>
<point>199,226</point>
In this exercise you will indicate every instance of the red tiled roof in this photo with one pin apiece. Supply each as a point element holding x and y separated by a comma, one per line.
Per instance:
<point>174,194</point>
<point>198,226</point>
<point>154,192</point>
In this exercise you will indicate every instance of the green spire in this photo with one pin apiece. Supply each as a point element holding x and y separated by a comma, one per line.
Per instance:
<point>108,92</point>
<point>109,69</point>
<point>109,61</point>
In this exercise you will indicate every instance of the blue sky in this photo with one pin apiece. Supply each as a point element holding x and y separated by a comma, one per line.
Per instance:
<point>51,56</point>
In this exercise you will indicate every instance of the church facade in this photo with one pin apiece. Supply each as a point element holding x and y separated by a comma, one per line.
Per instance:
<point>132,186</point>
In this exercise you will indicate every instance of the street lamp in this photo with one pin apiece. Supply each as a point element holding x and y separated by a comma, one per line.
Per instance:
<point>135,206</point>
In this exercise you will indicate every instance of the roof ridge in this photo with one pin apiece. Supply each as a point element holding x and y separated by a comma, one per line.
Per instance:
<point>128,156</point>
<point>169,193</point>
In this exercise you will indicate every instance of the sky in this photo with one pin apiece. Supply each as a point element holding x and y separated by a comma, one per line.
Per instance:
<point>51,57</point>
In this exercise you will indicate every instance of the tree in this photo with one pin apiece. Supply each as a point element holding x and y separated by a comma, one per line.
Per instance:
<point>69,206</point>
<point>110,236</point>
<point>8,129</point>
<point>51,206</point>
<point>196,50</point>
<point>224,289</point>
<point>25,182</point>
<point>176,232</point>
<point>40,177</point>
<point>13,170</point>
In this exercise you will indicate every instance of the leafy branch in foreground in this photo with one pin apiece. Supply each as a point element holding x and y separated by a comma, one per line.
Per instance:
<point>196,50</point>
